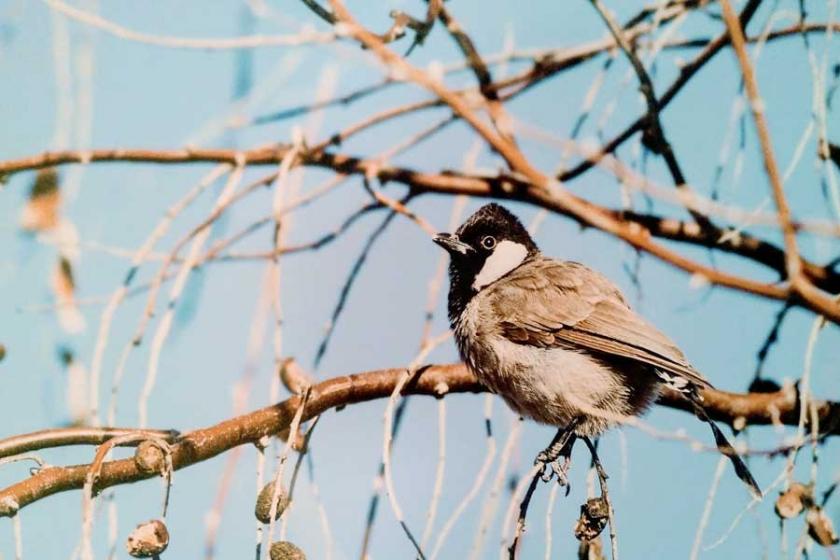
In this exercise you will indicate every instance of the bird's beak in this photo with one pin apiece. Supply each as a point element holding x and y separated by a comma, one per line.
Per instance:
<point>452,244</point>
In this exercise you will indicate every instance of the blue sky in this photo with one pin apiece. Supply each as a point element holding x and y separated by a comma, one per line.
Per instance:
<point>156,97</point>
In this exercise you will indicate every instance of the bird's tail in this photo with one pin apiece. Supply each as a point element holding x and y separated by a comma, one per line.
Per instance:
<point>723,444</point>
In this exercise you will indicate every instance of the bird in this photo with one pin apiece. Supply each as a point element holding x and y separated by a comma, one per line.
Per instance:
<point>558,341</point>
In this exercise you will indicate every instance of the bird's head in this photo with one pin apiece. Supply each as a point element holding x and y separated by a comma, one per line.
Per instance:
<point>490,244</point>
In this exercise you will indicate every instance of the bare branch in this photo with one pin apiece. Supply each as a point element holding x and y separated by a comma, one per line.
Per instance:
<point>62,437</point>
<point>636,229</point>
<point>686,73</point>
<point>185,43</point>
<point>438,381</point>
<point>653,136</point>
<point>799,282</point>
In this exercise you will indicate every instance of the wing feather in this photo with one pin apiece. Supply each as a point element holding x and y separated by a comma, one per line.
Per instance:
<point>548,303</point>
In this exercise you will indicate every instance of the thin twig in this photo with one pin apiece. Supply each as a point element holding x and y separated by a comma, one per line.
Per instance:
<point>602,480</point>
<point>302,38</point>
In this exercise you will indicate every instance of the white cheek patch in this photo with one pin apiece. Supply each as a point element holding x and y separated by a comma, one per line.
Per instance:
<point>507,256</point>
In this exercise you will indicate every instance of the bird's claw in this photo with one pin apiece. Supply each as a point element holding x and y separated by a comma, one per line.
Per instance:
<point>549,468</point>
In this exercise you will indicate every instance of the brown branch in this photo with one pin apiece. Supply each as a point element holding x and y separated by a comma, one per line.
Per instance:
<point>203,444</point>
<point>422,31</point>
<point>62,437</point>
<point>792,30</point>
<point>539,184</point>
<point>757,109</point>
<point>259,156</point>
<point>654,134</point>
<point>638,228</point>
<point>546,63</point>
<point>793,264</point>
<point>495,108</point>
<point>500,144</point>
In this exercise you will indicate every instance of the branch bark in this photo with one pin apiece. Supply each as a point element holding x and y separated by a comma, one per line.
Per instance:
<point>436,380</point>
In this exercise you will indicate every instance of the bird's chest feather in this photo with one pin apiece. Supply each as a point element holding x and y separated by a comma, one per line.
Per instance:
<point>550,385</point>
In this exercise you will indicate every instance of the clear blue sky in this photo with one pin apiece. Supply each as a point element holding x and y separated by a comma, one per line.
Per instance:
<point>155,97</point>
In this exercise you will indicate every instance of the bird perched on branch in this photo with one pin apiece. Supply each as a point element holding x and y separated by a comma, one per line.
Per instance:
<point>557,341</point>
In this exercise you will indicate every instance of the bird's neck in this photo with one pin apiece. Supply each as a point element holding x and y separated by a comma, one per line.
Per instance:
<point>460,293</point>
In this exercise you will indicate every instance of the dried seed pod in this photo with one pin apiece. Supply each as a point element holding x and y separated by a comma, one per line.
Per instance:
<point>77,391</point>
<point>263,507</point>
<point>64,288</point>
<point>284,550</point>
<point>148,539</point>
<point>591,550</point>
<point>794,500</point>
<point>41,211</point>
<point>149,457</point>
<point>820,527</point>
<point>593,518</point>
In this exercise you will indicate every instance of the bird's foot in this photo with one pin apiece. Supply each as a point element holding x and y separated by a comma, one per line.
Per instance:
<point>549,459</point>
<point>552,466</point>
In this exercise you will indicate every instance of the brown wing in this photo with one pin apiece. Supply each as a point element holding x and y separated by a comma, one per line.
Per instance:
<point>549,303</point>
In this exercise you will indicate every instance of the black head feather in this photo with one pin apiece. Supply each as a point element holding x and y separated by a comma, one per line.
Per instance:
<point>473,243</point>
<point>497,221</point>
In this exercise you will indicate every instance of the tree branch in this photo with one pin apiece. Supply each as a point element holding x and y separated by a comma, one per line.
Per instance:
<point>686,73</point>
<point>63,437</point>
<point>438,380</point>
<point>654,134</point>
<point>638,230</point>
<point>800,284</point>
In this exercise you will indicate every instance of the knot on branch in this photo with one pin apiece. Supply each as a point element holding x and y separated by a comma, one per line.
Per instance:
<point>652,137</point>
<point>8,507</point>
<point>150,458</point>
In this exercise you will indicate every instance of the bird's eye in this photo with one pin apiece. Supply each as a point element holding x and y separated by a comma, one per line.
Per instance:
<point>488,242</point>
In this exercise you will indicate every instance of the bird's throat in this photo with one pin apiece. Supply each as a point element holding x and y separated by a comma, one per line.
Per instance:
<point>507,256</point>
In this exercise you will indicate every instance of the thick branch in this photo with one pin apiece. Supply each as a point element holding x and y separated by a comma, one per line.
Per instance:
<point>203,444</point>
<point>514,188</point>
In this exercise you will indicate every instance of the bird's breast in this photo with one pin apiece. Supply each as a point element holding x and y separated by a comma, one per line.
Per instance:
<point>550,385</point>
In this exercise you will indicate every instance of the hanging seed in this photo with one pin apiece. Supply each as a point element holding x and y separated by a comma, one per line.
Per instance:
<point>820,527</point>
<point>593,518</point>
<point>591,550</point>
<point>284,550</point>
<point>263,507</point>
<point>794,500</point>
<point>41,212</point>
<point>148,539</point>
